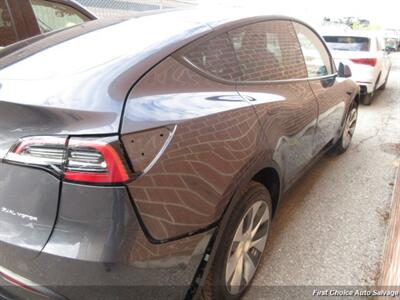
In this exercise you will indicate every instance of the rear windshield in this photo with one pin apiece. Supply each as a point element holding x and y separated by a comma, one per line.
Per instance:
<point>347,43</point>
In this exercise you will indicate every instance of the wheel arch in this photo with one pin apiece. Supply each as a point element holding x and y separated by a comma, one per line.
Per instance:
<point>269,177</point>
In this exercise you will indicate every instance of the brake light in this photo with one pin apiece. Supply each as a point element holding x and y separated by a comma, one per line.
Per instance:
<point>93,161</point>
<point>90,160</point>
<point>365,61</point>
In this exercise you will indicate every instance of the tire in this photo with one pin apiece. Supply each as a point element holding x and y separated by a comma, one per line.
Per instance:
<point>367,99</point>
<point>254,198</point>
<point>349,126</point>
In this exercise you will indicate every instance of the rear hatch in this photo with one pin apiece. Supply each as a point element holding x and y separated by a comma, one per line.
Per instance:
<point>28,194</point>
<point>351,55</point>
<point>38,104</point>
<point>354,51</point>
<point>361,64</point>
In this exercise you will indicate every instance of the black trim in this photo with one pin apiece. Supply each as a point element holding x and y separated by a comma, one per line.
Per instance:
<point>197,279</point>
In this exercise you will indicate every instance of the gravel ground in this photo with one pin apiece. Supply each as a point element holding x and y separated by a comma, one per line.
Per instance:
<point>330,230</point>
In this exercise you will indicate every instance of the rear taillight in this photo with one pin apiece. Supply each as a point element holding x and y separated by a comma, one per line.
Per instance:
<point>42,151</point>
<point>90,160</point>
<point>93,161</point>
<point>365,61</point>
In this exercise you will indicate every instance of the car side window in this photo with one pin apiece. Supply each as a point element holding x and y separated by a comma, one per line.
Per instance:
<point>53,16</point>
<point>268,51</point>
<point>315,54</point>
<point>7,30</point>
<point>215,56</point>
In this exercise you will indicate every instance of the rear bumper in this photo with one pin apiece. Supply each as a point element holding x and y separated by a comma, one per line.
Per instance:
<point>364,75</point>
<point>99,251</point>
<point>366,82</point>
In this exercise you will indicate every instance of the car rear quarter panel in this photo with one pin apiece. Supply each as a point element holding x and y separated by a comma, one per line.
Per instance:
<point>217,143</point>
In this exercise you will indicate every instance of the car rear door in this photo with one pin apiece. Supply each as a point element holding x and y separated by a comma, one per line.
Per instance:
<point>332,96</point>
<point>274,81</point>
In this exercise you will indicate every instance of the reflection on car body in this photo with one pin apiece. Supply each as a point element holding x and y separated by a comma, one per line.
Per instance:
<point>146,164</point>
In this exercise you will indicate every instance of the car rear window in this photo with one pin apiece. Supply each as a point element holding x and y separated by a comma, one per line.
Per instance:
<point>216,57</point>
<point>348,43</point>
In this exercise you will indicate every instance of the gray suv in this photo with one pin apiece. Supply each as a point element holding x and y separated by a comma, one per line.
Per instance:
<point>145,158</point>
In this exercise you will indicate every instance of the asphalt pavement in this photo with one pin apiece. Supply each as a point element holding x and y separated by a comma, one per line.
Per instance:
<point>330,229</point>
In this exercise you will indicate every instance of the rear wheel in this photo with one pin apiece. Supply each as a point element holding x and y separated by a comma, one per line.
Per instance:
<point>242,245</point>
<point>367,99</point>
<point>349,127</point>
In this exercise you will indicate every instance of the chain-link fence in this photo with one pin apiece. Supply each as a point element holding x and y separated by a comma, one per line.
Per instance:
<point>109,8</point>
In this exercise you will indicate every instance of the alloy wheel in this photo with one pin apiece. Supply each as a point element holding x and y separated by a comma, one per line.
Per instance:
<point>247,247</point>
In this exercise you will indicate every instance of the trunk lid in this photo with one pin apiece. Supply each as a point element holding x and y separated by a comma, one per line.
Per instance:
<point>337,54</point>
<point>29,196</point>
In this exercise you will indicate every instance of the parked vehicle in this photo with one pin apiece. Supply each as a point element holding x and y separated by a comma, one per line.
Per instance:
<point>367,57</point>
<point>392,39</point>
<point>153,168</point>
<point>22,19</point>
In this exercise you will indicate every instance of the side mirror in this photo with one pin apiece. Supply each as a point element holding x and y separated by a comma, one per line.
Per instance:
<point>344,71</point>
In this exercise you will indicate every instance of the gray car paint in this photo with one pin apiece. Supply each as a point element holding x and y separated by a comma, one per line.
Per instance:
<point>88,98</point>
<point>84,95</point>
<point>102,244</point>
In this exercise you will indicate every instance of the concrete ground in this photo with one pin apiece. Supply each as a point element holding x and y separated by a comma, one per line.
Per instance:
<point>330,230</point>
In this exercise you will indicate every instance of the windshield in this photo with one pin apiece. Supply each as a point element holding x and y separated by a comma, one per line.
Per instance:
<point>348,43</point>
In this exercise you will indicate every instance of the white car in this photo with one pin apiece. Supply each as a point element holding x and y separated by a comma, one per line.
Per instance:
<point>366,56</point>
